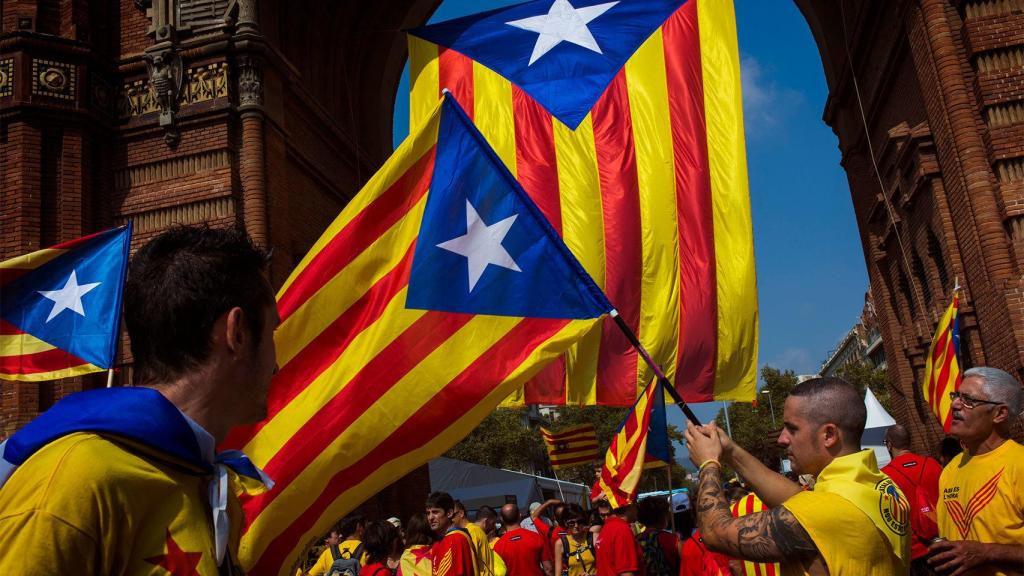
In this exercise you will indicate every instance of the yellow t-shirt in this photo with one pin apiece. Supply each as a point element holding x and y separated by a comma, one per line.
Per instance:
<point>490,564</point>
<point>416,561</point>
<point>848,539</point>
<point>84,504</point>
<point>581,557</point>
<point>982,498</point>
<point>326,559</point>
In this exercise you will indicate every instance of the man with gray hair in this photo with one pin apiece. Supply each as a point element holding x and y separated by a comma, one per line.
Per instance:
<point>981,509</point>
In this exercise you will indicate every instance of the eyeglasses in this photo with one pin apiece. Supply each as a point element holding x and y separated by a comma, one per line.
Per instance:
<point>574,523</point>
<point>969,402</point>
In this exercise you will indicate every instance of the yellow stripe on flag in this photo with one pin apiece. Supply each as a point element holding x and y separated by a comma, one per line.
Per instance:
<point>652,134</point>
<point>736,364</point>
<point>20,344</point>
<point>32,260</point>
<point>424,81</point>
<point>492,113</point>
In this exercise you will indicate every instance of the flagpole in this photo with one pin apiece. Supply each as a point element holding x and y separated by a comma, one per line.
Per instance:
<point>110,377</point>
<point>559,484</point>
<point>657,371</point>
<point>671,509</point>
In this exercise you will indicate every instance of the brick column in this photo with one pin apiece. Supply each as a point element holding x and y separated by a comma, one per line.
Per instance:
<point>252,160</point>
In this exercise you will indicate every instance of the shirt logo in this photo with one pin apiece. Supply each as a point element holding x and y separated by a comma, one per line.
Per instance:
<point>176,561</point>
<point>963,517</point>
<point>893,507</point>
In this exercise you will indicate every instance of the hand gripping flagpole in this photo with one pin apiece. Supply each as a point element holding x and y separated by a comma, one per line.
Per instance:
<point>665,384</point>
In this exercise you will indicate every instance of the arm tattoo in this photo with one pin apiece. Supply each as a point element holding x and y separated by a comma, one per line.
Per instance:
<point>762,537</point>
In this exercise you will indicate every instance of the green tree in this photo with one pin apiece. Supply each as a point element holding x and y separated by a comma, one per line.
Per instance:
<point>863,375</point>
<point>752,427</point>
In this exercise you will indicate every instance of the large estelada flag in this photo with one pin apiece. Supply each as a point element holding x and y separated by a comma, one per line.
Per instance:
<point>641,442</point>
<point>60,307</point>
<point>623,121</point>
<point>571,446</point>
<point>438,290</point>
<point>942,367</point>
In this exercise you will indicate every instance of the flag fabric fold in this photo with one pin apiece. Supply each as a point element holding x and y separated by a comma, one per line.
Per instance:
<point>626,129</point>
<point>942,367</point>
<point>437,291</point>
<point>571,446</point>
<point>630,451</point>
<point>60,307</point>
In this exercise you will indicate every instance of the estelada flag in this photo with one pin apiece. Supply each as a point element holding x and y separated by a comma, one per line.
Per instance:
<point>571,446</point>
<point>60,307</point>
<point>624,122</point>
<point>942,367</point>
<point>641,442</point>
<point>438,290</point>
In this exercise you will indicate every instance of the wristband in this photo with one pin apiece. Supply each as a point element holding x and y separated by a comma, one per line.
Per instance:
<point>706,462</point>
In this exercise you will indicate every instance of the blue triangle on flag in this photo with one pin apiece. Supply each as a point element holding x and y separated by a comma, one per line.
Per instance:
<point>563,53</point>
<point>73,301</point>
<point>484,247</point>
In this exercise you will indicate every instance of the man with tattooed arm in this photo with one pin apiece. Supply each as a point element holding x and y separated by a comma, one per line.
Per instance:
<point>854,522</point>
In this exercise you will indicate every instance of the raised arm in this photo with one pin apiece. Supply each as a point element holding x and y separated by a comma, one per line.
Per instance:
<point>540,509</point>
<point>771,487</point>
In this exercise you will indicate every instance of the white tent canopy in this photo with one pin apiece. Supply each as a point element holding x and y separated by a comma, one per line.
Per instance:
<point>478,485</point>
<point>878,423</point>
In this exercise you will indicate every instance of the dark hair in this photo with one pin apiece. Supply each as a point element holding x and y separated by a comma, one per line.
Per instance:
<point>834,401</point>
<point>510,514</point>
<point>179,284</point>
<point>898,437</point>
<point>380,540</point>
<point>418,532</point>
<point>652,510</point>
<point>570,511</point>
<point>349,526</point>
<point>949,447</point>
<point>486,512</point>
<point>460,507</point>
<point>442,500</point>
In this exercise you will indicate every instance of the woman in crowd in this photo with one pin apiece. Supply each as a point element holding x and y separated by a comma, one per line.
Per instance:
<point>419,538</point>
<point>381,540</point>
<point>575,553</point>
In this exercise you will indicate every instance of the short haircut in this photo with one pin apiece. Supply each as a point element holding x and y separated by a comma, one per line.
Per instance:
<point>417,531</point>
<point>442,500</point>
<point>486,512</point>
<point>834,401</point>
<point>510,514</point>
<point>460,507</point>
<point>898,437</point>
<point>379,540</point>
<point>652,510</point>
<point>348,526</point>
<point>179,284</point>
<point>999,386</point>
<point>570,512</point>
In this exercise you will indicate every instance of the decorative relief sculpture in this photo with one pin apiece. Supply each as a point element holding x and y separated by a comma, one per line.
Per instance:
<point>250,81</point>
<point>165,78</point>
<point>6,77</point>
<point>53,79</point>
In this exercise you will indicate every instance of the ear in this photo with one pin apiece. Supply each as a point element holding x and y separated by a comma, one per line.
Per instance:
<point>830,435</point>
<point>1000,414</point>
<point>236,331</point>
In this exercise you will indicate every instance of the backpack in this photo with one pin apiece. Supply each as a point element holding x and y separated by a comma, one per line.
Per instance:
<point>578,552</point>
<point>709,566</point>
<point>923,520</point>
<point>654,556</point>
<point>346,562</point>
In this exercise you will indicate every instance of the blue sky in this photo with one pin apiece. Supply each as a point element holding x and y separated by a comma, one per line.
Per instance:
<point>810,268</point>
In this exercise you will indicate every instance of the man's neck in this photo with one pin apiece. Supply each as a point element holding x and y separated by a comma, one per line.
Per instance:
<point>897,452</point>
<point>194,402</point>
<point>511,527</point>
<point>993,441</point>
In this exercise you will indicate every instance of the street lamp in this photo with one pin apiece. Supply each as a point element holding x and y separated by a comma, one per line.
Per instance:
<point>770,407</point>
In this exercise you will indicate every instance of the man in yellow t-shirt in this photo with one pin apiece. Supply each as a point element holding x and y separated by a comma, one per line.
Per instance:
<point>350,534</point>
<point>490,563</point>
<point>981,491</point>
<point>125,480</point>
<point>854,523</point>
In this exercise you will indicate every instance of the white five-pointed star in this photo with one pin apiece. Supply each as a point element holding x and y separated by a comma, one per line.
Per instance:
<point>562,23</point>
<point>481,245</point>
<point>69,297</point>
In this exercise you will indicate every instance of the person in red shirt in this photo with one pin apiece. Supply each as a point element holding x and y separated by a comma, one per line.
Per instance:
<point>550,531</point>
<point>525,552</point>
<point>618,552</point>
<point>660,546</point>
<point>453,554</point>
<point>381,540</point>
<point>697,560</point>
<point>918,478</point>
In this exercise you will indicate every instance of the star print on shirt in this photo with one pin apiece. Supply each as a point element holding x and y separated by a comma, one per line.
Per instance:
<point>69,297</point>
<point>562,23</point>
<point>176,561</point>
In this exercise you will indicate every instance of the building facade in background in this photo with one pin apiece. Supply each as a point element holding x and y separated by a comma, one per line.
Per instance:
<point>927,99</point>
<point>861,345</point>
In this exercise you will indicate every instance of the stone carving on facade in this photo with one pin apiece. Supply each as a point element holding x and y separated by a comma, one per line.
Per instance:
<point>6,77</point>
<point>250,81</point>
<point>53,79</point>
<point>166,79</point>
<point>207,82</point>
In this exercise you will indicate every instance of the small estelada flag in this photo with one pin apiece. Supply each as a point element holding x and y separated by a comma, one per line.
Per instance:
<point>60,307</point>
<point>942,368</point>
<point>571,447</point>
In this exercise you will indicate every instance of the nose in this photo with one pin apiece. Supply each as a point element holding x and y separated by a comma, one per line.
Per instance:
<point>783,438</point>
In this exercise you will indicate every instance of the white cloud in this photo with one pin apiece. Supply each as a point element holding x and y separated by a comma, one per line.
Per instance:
<point>765,103</point>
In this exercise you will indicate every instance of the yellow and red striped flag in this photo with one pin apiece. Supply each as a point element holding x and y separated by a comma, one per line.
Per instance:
<point>628,451</point>
<point>571,447</point>
<point>942,368</point>
<point>388,355</point>
<point>646,181</point>
<point>751,504</point>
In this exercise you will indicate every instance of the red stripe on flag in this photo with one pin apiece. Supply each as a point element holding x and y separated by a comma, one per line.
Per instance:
<point>457,398</point>
<point>363,230</point>
<point>698,338</point>
<point>322,352</point>
<point>39,362</point>
<point>8,329</point>
<point>455,72</point>
<point>620,201</point>
<point>572,438</point>
<point>939,384</point>
<point>575,461</point>
<point>573,450</point>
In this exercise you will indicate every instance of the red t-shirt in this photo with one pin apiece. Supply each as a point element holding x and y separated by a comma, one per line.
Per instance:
<point>522,550</point>
<point>617,550</point>
<point>699,561</point>
<point>913,472</point>
<point>373,569</point>
<point>453,555</point>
